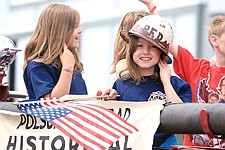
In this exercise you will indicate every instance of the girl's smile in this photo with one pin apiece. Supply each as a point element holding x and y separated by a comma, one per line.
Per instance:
<point>146,56</point>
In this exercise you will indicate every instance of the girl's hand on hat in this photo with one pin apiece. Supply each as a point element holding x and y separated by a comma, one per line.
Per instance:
<point>67,59</point>
<point>165,72</point>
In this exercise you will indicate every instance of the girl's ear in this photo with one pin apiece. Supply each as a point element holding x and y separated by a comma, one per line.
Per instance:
<point>213,39</point>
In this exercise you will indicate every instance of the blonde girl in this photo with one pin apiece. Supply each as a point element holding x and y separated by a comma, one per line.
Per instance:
<point>52,67</point>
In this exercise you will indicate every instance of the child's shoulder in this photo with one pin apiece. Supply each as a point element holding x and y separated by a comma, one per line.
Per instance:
<point>34,64</point>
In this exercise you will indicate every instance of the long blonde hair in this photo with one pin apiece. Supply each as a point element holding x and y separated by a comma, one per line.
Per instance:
<point>54,29</point>
<point>120,46</point>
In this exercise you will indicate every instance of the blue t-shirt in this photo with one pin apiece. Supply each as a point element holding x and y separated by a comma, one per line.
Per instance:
<point>149,90</point>
<point>40,79</point>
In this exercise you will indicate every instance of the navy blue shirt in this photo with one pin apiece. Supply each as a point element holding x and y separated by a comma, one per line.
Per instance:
<point>149,90</point>
<point>40,79</point>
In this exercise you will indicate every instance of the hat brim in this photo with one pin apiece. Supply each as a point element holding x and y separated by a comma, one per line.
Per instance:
<point>125,36</point>
<point>168,59</point>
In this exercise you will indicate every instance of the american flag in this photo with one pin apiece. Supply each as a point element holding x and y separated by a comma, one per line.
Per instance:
<point>91,126</point>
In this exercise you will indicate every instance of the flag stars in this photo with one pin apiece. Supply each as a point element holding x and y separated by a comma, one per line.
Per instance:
<point>47,113</point>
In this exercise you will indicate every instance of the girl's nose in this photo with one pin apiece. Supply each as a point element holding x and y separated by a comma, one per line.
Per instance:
<point>80,29</point>
<point>146,50</point>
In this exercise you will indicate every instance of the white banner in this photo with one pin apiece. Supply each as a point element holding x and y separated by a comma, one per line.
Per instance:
<point>24,132</point>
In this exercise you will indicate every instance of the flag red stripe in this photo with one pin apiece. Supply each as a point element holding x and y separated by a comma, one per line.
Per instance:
<point>103,121</point>
<point>89,130</point>
<point>112,120</point>
<point>85,137</point>
<point>93,123</point>
<point>53,103</point>
<point>79,134</point>
<point>70,135</point>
